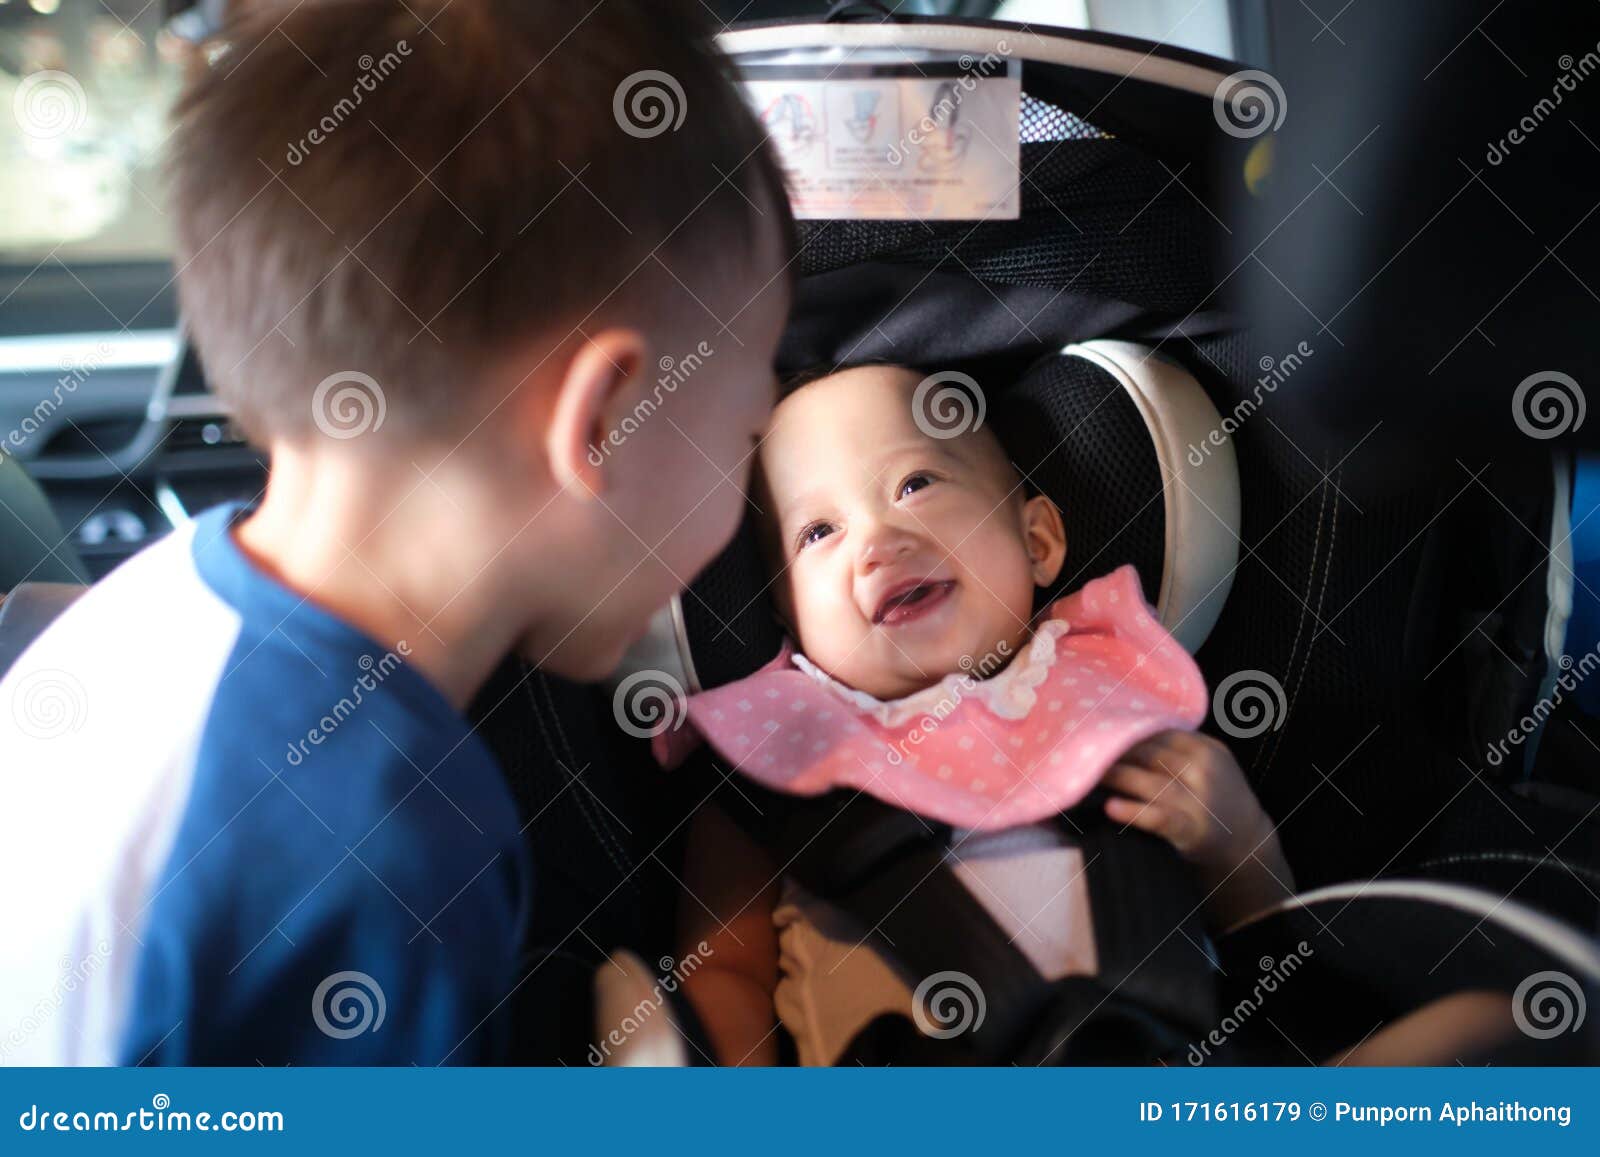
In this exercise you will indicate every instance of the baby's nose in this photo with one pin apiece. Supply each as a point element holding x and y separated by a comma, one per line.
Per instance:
<point>883,546</point>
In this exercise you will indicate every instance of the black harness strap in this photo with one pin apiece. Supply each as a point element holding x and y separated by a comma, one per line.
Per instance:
<point>1150,936</point>
<point>891,871</point>
<point>972,980</point>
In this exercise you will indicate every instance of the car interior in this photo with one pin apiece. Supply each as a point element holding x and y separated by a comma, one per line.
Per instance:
<point>1335,610</point>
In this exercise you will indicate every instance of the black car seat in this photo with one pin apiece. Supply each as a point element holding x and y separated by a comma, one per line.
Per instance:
<point>1390,664</point>
<point>1103,428</point>
<point>1112,433</point>
<point>1384,659</point>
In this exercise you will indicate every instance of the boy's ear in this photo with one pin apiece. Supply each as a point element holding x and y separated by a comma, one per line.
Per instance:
<point>1046,538</point>
<point>577,438</point>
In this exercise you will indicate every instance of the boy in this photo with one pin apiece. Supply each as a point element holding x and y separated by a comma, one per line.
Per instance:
<point>432,254</point>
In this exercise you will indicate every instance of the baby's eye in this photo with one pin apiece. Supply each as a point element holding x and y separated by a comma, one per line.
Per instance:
<point>814,533</point>
<point>914,483</point>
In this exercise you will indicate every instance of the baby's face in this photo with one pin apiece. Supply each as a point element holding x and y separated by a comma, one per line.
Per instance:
<point>903,554</point>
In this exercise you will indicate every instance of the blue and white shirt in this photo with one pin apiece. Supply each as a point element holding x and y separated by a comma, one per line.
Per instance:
<point>235,829</point>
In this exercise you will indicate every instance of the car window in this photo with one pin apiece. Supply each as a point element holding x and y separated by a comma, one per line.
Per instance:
<point>86,85</point>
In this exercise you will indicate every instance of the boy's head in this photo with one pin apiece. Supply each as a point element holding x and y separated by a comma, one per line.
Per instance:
<point>902,552</point>
<point>492,239</point>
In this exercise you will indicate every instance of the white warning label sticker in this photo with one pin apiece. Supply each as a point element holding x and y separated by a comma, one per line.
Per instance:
<point>930,140</point>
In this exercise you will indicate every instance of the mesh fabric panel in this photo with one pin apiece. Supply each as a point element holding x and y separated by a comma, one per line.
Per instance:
<point>1042,121</point>
<point>1097,215</point>
<point>728,613</point>
<point>1322,601</point>
<point>1078,438</point>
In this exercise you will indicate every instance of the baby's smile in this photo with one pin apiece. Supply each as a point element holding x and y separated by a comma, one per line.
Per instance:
<point>912,600</point>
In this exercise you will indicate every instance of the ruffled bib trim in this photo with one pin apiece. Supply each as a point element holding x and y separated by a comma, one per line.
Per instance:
<point>1010,693</point>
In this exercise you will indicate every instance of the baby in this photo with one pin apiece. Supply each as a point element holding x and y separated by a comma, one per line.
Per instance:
<point>907,565</point>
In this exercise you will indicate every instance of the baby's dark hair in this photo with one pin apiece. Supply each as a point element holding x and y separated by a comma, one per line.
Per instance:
<point>793,383</point>
<point>798,380</point>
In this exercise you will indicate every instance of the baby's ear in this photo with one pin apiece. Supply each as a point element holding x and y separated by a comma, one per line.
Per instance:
<point>1046,539</point>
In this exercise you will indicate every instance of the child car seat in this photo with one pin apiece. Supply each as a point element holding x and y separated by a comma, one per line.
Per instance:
<point>1341,618</point>
<point>1098,427</point>
<point>1103,428</point>
<point>1390,668</point>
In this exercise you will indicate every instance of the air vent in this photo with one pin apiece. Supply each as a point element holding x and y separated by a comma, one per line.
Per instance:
<point>201,434</point>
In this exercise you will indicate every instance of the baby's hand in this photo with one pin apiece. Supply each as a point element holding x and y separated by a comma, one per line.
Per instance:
<point>1189,790</point>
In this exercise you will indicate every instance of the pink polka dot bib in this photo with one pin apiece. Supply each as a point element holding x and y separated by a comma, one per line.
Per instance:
<point>1099,675</point>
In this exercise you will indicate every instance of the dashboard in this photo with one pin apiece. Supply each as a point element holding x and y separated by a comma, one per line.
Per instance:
<point>122,433</point>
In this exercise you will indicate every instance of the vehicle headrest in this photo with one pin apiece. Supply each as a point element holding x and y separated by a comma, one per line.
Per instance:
<point>1124,441</point>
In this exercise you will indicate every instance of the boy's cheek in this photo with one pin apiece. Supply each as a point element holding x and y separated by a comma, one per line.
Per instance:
<point>710,528</point>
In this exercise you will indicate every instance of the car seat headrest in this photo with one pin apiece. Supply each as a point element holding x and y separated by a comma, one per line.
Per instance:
<point>1131,449</point>
<point>1125,442</point>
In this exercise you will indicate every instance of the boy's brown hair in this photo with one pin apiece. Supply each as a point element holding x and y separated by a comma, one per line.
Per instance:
<point>409,190</point>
